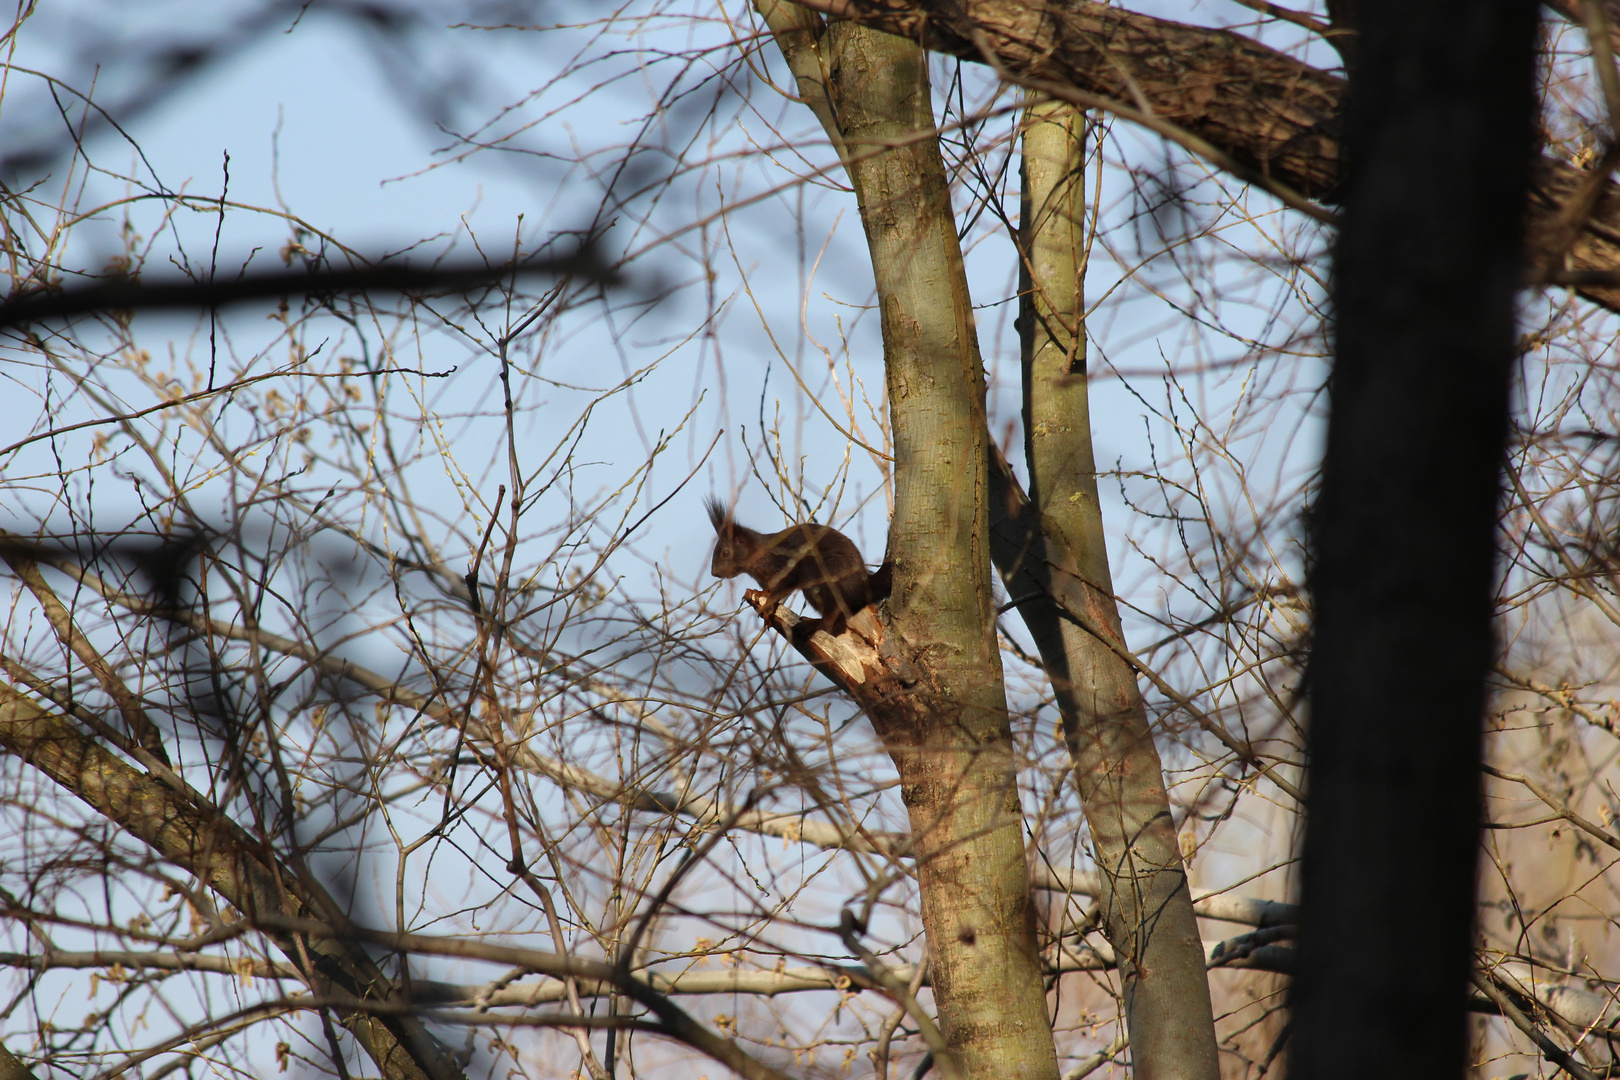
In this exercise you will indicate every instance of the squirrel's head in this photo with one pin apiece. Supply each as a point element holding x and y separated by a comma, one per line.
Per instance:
<point>727,559</point>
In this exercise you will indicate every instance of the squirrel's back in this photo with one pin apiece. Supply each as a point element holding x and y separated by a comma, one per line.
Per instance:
<point>818,560</point>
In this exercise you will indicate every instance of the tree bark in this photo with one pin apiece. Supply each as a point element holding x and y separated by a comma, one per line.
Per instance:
<point>202,841</point>
<point>1147,907</point>
<point>957,766</point>
<point>1274,116</point>
<point>1427,265</point>
<point>12,1067</point>
<point>944,715</point>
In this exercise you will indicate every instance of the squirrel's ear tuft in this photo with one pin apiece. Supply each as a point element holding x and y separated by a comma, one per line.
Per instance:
<point>717,512</point>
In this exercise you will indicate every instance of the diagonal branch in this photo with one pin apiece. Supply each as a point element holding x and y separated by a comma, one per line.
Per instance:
<point>841,660</point>
<point>672,1019</point>
<point>183,828</point>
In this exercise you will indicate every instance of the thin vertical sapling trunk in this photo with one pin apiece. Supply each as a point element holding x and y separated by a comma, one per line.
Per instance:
<point>1053,552</point>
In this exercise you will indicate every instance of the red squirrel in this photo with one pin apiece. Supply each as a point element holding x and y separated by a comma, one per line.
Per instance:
<point>819,560</point>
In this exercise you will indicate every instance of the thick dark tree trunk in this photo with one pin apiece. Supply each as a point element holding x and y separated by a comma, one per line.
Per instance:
<point>1439,139</point>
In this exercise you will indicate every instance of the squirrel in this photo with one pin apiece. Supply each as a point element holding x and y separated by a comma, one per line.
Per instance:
<point>819,560</point>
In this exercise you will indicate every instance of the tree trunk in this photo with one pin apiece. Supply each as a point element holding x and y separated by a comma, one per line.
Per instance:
<point>12,1067</point>
<point>1147,906</point>
<point>1427,265</point>
<point>957,767</point>
<point>949,733</point>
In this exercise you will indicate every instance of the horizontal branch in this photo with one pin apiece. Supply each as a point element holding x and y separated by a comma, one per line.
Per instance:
<point>1597,832</point>
<point>124,963</point>
<point>1578,1006</point>
<point>1221,906</point>
<point>130,294</point>
<point>134,960</point>
<point>1246,950</point>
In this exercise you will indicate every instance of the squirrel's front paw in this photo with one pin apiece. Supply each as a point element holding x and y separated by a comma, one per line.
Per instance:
<point>760,600</point>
